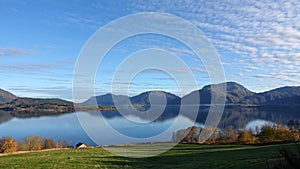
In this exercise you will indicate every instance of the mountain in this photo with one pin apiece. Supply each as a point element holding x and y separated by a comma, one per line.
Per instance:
<point>234,93</point>
<point>238,94</point>
<point>138,100</point>
<point>144,98</point>
<point>6,96</point>
<point>106,100</point>
<point>30,107</point>
<point>283,95</point>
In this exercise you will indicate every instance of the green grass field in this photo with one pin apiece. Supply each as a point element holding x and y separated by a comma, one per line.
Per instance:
<point>181,156</point>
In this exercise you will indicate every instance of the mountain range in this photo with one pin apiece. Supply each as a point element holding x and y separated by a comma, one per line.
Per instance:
<point>141,100</point>
<point>236,94</point>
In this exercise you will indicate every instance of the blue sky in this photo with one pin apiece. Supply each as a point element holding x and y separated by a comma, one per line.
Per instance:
<point>258,43</point>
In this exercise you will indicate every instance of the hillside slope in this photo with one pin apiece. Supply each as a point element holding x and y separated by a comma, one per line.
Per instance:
<point>6,96</point>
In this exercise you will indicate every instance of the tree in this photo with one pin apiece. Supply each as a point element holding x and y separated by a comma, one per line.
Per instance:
<point>193,134</point>
<point>267,134</point>
<point>8,145</point>
<point>205,135</point>
<point>246,137</point>
<point>48,143</point>
<point>215,135</point>
<point>230,134</point>
<point>277,133</point>
<point>31,143</point>
<point>223,139</point>
<point>180,135</point>
<point>62,144</point>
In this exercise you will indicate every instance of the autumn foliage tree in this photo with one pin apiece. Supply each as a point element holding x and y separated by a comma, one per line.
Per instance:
<point>48,143</point>
<point>62,144</point>
<point>266,134</point>
<point>229,135</point>
<point>190,135</point>
<point>214,137</point>
<point>8,145</point>
<point>31,143</point>
<point>277,133</point>
<point>246,137</point>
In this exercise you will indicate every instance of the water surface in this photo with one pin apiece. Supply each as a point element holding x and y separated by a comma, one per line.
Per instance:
<point>67,127</point>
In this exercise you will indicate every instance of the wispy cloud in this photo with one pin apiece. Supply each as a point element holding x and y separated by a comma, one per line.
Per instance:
<point>15,52</point>
<point>37,67</point>
<point>264,35</point>
<point>251,28</point>
<point>257,40</point>
<point>78,20</point>
<point>42,92</point>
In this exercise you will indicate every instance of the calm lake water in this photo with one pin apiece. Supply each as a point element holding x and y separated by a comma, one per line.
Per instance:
<point>67,127</point>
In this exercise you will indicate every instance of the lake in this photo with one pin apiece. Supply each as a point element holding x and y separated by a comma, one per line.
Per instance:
<point>67,127</point>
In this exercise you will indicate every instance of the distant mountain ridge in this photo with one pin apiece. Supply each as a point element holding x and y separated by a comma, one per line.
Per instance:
<point>141,100</point>
<point>236,94</point>
<point>282,95</point>
<point>105,100</point>
<point>29,107</point>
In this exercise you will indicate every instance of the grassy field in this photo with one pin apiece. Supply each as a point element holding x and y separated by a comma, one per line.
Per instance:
<point>181,156</point>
